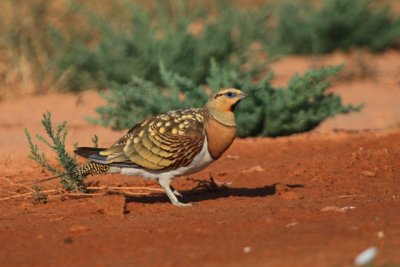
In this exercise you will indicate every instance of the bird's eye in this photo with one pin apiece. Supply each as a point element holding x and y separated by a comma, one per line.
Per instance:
<point>230,94</point>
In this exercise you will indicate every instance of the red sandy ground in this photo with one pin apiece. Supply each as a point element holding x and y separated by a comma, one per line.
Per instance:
<point>314,199</point>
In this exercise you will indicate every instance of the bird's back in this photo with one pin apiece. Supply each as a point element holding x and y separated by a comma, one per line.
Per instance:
<point>163,142</point>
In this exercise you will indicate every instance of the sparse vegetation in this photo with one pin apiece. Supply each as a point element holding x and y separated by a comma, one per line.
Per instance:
<point>184,39</point>
<point>306,28</point>
<point>74,45</point>
<point>57,135</point>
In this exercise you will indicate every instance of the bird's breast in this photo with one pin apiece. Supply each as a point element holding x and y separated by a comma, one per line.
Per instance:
<point>219,137</point>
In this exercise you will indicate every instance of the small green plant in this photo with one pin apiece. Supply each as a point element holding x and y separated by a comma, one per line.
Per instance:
<point>38,195</point>
<point>56,143</point>
<point>95,141</point>
<point>267,111</point>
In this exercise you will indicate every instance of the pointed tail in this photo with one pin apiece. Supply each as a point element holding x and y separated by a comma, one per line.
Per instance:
<point>89,168</point>
<point>97,164</point>
<point>92,168</point>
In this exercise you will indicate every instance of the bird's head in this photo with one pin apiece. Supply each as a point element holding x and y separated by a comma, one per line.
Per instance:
<point>225,99</point>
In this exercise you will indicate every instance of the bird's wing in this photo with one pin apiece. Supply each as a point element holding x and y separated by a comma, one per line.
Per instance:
<point>167,141</point>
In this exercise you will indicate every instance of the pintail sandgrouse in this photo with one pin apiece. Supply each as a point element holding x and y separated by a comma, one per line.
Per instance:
<point>171,144</point>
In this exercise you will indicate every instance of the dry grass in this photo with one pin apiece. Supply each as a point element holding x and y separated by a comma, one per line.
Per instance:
<point>26,52</point>
<point>14,190</point>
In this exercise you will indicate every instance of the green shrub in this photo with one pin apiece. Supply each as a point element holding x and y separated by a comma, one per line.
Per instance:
<point>184,39</point>
<point>304,28</point>
<point>299,107</point>
<point>267,111</point>
<point>140,98</point>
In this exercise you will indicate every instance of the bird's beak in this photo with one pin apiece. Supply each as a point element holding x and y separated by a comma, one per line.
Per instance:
<point>242,95</point>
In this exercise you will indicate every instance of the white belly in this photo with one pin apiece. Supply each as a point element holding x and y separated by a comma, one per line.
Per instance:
<point>202,160</point>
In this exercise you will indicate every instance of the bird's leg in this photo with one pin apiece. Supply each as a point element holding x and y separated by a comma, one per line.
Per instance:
<point>176,192</point>
<point>165,183</point>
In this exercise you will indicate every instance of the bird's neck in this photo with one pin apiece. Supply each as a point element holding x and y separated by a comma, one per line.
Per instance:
<point>220,129</point>
<point>226,118</point>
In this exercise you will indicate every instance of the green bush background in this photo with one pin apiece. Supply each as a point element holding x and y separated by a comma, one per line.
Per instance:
<point>150,54</point>
<point>267,111</point>
<point>74,45</point>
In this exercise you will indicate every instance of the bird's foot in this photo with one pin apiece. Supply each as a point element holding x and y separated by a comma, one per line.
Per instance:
<point>172,194</point>
<point>180,204</point>
<point>176,193</point>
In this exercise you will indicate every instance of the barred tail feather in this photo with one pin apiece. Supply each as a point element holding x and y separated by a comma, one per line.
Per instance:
<point>89,168</point>
<point>92,168</point>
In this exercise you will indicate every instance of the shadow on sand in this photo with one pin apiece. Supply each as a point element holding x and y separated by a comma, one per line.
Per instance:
<point>198,195</point>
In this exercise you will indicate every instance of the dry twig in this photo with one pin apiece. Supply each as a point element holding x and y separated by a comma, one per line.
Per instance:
<point>96,191</point>
<point>202,185</point>
<point>14,184</point>
<point>124,188</point>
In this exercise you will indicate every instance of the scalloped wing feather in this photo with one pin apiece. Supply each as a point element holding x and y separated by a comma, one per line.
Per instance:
<point>167,141</point>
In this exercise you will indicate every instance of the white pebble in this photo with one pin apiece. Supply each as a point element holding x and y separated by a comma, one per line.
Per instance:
<point>381,234</point>
<point>247,249</point>
<point>366,256</point>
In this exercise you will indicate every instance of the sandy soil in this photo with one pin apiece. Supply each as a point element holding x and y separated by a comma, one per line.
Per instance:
<point>315,199</point>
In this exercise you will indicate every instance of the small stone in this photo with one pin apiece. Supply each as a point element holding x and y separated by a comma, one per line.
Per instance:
<point>381,234</point>
<point>247,249</point>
